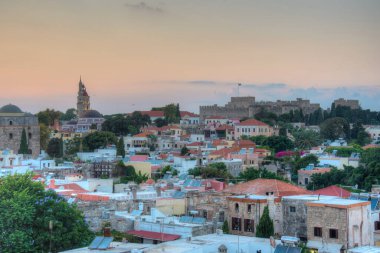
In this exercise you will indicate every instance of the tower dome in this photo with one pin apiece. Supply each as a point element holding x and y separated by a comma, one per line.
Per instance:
<point>10,109</point>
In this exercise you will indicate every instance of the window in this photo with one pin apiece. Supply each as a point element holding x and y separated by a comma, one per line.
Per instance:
<point>292,209</point>
<point>10,122</point>
<point>236,207</point>
<point>236,224</point>
<point>306,181</point>
<point>249,208</point>
<point>317,231</point>
<point>249,225</point>
<point>30,135</point>
<point>334,233</point>
<point>377,225</point>
<point>10,136</point>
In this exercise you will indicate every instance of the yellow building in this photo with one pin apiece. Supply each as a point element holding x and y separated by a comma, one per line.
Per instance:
<point>171,206</point>
<point>143,167</point>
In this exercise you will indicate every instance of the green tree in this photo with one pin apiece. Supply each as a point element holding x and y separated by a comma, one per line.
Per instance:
<point>252,173</point>
<point>184,151</point>
<point>265,228</point>
<point>23,144</point>
<point>48,116</point>
<point>225,228</point>
<point>335,128</point>
<point>70,114</point>
<point>160,122</point>
<point>27,210</point>
<point>55,148</point>
<point>214,170</point>
<point>99,139</point>
<point>120,147</point>
<point>306,139</point>
<point>171,113</point>
<point>302,162</point>
<point>44,136</point>
<point>279,143</point>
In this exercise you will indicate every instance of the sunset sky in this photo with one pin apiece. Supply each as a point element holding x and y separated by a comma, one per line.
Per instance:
<point>133,55</point>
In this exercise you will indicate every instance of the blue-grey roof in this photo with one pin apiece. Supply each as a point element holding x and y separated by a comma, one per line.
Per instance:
<point>287,249</point>
<point>10,109</point>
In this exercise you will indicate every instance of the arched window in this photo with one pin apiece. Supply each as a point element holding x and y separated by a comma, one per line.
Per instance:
<point>10,122</point>
<point>236,207</point>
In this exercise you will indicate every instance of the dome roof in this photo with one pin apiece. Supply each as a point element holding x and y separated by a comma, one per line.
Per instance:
<point>91,114</point>
<point>10,109</point>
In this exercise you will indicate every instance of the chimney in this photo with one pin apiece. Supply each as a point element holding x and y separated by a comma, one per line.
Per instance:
<point>107,232</point>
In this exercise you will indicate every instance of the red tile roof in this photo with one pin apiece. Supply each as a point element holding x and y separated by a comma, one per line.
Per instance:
<point>224,127</point>
<point>334,190</point>
<point>153,113</point>
<point>251,122</point>
<point>244,144</point>
<point>139,158</point>
<point>263,186</point>
<point>224,151</point>
<point>154,235</point>
<point>195,144</point>
<point>219,142</point>
<point>189,114</point>
<point>143,134</point>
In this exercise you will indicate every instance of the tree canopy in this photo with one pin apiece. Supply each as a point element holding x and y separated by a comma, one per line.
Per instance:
<point>27,210</point>
<point>99,139</point>
<point>335,128</point>
<point>265,228</point>
<point>121,125</point>
<point>252,173</point>
<point>23,144</point>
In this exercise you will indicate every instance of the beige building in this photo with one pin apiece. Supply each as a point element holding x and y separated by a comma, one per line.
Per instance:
<point>252,127</point>
<point>244,213</point>
<point>12,123</point>
<point>338,224</point>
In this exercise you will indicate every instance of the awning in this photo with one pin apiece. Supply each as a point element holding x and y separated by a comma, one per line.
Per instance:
<point>153,235</point>
<point>324,247</point>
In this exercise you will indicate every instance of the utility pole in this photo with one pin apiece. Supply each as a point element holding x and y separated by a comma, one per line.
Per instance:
<point>51,233</point>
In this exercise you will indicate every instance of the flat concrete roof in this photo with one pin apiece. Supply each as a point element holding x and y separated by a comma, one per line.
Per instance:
<point>339,203</point>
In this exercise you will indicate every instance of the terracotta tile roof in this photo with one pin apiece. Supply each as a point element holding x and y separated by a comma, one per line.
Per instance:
<point>224,127</point>
<point>252,122</point>
<point>314,171</point>
<point>194,144</point>
<point>371,146</point>
<point>153,235</point>
<point>219,142</point>
<point>334,190</point>
<point>244,144</point>
<point>224,151</point>
<point>189,114</point>
<point>139,158</point>
<point>263,186</point>
<point>143,134</point>
<point>153,113</point>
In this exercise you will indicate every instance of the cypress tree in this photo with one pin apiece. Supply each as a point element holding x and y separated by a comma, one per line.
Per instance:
<point>225,228</point>
<point>23,144</point>
<point>265,227</point>
<point>120,150</point>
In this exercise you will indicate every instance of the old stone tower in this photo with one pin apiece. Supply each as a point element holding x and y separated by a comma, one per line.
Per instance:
<point>12,123</point>
<point>83,99</point>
